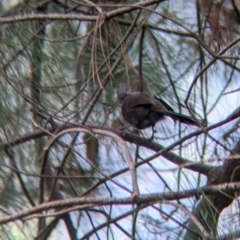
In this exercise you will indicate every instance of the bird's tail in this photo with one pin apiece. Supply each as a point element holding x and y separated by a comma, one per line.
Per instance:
<point>177,116</point>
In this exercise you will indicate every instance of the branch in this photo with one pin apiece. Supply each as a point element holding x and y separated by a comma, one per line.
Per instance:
<point>143,199</point>
<point>197,167</point>
<point>79,17</point>
<point>165,152</point>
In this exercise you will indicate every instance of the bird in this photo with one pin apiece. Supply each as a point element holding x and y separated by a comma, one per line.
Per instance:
<point>142,110</point>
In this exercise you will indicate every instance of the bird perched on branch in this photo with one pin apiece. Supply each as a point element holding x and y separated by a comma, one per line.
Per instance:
<point>142,110</point>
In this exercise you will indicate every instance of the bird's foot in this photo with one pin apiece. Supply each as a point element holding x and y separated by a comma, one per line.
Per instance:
<point>152,136</point>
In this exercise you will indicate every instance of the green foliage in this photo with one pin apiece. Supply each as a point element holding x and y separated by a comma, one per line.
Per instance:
<point>60,116</point>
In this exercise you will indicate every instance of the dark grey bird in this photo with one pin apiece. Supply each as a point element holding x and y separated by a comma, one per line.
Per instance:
<point>142,110</point>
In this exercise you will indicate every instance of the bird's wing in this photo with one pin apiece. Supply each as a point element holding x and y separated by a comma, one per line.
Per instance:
<point>140,100</point>
<point>168,107</point>
<point>142,105</point>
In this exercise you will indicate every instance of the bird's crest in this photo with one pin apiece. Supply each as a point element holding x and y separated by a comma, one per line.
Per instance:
<point>122,91</point>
